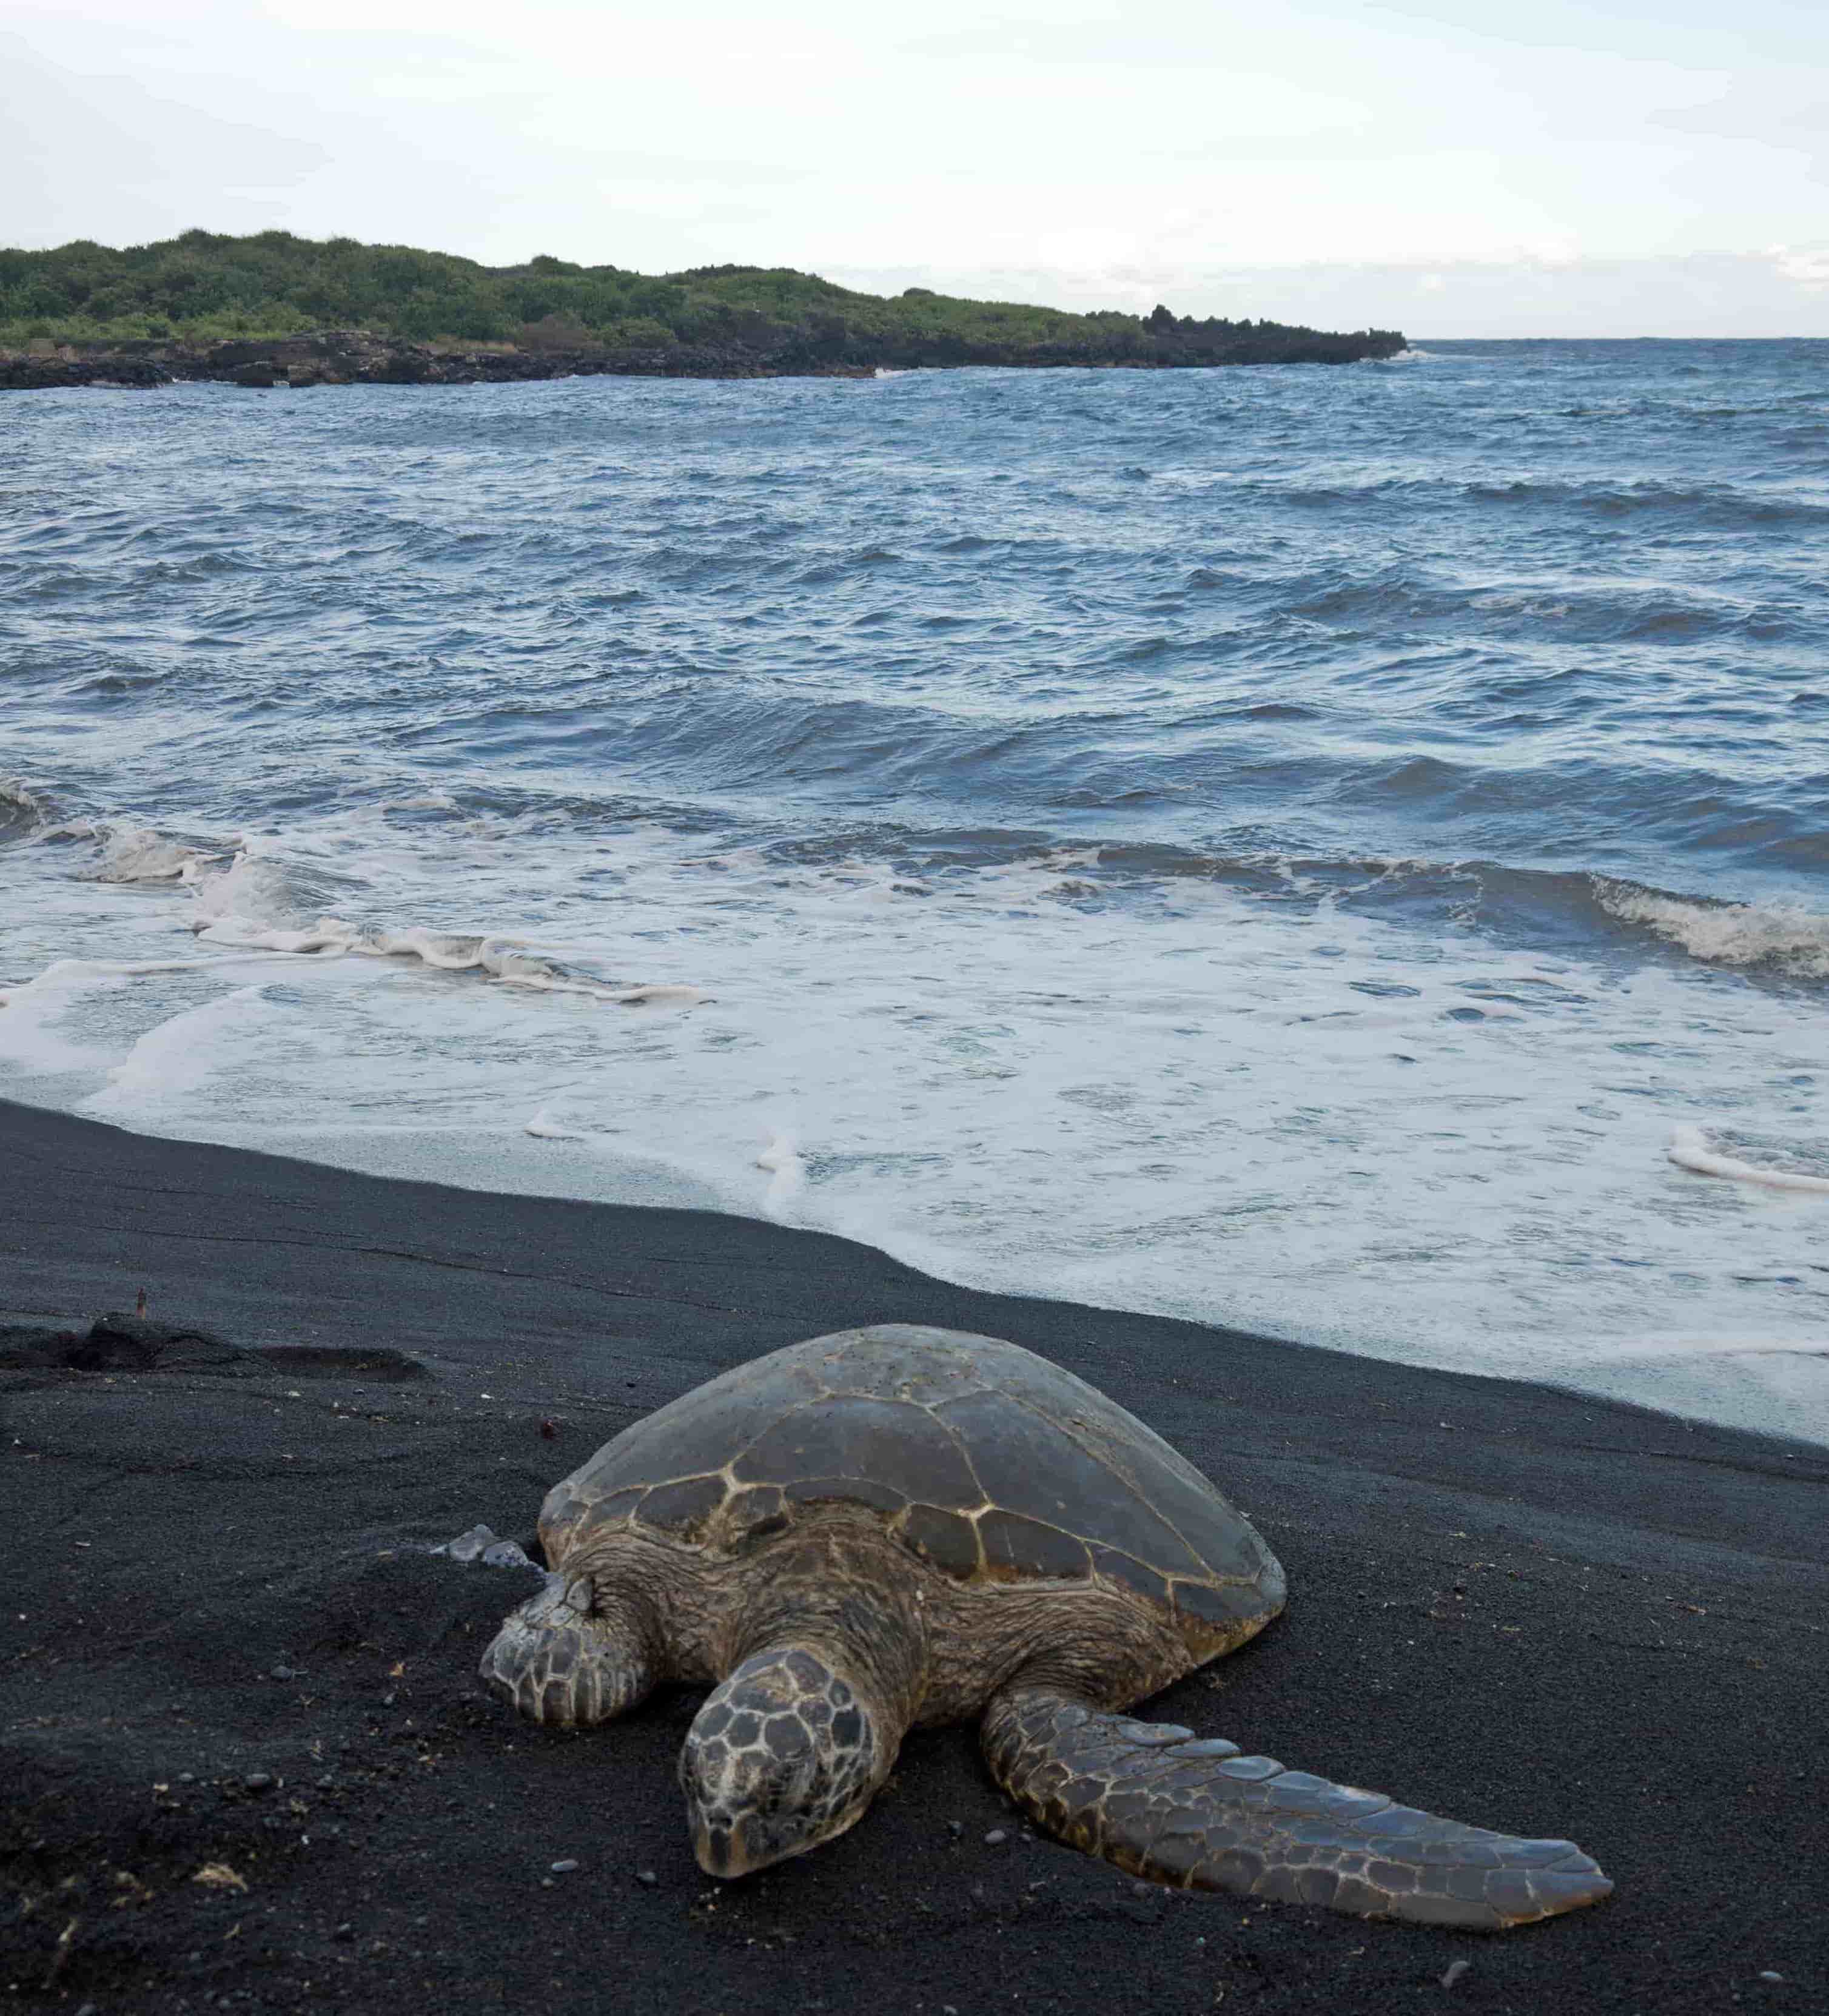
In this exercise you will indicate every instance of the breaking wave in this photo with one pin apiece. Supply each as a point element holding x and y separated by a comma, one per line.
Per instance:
<point>22,810</point>
<point>1782,936</point>
<point>1689,1149</point>
<point>505,959</point>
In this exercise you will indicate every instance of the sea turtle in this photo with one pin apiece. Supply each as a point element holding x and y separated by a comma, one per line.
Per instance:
<point>898,1526</point>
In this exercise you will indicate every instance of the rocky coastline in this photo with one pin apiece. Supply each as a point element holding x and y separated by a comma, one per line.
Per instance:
<point>357,357</point>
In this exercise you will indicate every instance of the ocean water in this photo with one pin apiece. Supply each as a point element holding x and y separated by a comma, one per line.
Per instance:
<point>1343,852</point>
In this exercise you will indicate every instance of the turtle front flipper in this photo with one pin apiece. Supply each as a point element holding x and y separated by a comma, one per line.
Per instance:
<point>1197,1814</point>
<point>574,1654</point>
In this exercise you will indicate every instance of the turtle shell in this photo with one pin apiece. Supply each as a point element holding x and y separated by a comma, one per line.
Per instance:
<point>987,1463</point>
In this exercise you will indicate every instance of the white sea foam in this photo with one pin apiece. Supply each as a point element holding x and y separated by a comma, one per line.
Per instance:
<point>543,1127</point>
<point>168,1065</point>
<point>253,904</point>
<point>1783,935</point>
<point>35,1015</point>
<point>1689,1149</point>
<point>30,1041</point>
<point>1275,1103</point>
<point>504,959</point>
<point>20,805</point>
<point>1676,1347</point>
<point>139,854</point>
<point>431,800</point>
<point>788,1175</point>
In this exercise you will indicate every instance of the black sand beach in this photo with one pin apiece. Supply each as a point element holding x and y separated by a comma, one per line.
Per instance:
<point>246,1764</point>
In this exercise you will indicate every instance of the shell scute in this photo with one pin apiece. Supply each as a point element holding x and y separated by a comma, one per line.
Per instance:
<point>1223,1605</point>
<point>754,1512</point>
<point>1129,1573</point>
<point>947,1539</point>
<point>1018,1548</point>
<point>843,1491</point>
<point>893,1443</point>
<point>1033,1465</point>
<point>685,1505</point>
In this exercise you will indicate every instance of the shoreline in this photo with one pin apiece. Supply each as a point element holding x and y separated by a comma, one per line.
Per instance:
<point>351,356</point>
<point>1772,1387</point>
<point>1523,1606</point>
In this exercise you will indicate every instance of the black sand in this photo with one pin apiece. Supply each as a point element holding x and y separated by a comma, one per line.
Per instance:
<point>1527,1609</point>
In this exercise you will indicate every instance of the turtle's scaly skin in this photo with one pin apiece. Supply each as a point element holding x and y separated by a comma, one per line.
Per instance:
<point>1149,1798</point>
<point>898,1525</point>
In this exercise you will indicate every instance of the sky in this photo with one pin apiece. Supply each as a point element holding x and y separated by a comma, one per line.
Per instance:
<point>1449,167</point>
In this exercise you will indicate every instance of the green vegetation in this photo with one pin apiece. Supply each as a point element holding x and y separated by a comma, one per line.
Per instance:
<point>204,288</point>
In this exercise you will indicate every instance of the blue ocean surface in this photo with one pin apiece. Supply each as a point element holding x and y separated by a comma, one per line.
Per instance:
<point>1343,852</point>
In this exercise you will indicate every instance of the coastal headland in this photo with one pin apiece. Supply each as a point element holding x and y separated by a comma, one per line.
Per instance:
<point>276,310</point>
<point>246,1756</point>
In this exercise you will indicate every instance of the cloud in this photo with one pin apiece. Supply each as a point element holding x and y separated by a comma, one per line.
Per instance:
<point>1337,166</point>
<point>1806,266</point>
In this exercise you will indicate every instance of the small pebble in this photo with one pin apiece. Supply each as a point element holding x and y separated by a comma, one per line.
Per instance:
<point>1457,1968</point>
<point>282,1673</point>
<point>646,1876</point>
<point>344,1932</point>
<point>565,1867</point>
<point>187,1777</point>
<point>956,1828</point>
<point>258,1781</point>
<point>387,1700</point>
<point>996,1838</point>
<point>466,1546</point>
<point>546,1883</point>
<point>1769,1974</point>
<point>326,1784</point>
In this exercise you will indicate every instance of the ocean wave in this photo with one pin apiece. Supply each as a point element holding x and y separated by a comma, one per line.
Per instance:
<point>503,958</point>
<point>1689,1149</point>
<point>1784,937</point>
<point>1713,505</point>
<point>261,901</point>
<point>141,854</point>
<point>22,811</point>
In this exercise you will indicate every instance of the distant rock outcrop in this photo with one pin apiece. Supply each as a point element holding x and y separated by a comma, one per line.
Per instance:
<point>358,356</point>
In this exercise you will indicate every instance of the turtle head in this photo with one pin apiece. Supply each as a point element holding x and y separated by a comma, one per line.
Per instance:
<point>785,1754</point>
<point>571,1655</point>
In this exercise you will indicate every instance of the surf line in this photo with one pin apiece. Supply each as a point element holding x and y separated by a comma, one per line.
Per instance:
<point>1689,1151</point>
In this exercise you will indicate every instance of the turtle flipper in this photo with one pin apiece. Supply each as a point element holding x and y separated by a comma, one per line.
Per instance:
<point>1151,1799</point>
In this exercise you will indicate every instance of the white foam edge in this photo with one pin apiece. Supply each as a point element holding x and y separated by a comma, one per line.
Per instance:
<point>543,1127</point>
<point>504,959</point>
<point>1689,1150</point>
<point>1784,935</point>
<point>787,1174</point>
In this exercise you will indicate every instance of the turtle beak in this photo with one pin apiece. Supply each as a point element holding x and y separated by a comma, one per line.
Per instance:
<point>720,1851</point>
<point>727,1847</point>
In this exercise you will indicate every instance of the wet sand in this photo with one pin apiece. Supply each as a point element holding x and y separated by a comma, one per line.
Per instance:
<point>246,1764</point>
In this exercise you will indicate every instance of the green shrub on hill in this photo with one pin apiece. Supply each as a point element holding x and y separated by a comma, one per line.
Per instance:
<point>202,287</point>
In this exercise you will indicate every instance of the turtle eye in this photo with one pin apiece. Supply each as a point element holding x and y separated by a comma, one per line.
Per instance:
<point>581,1596</point>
